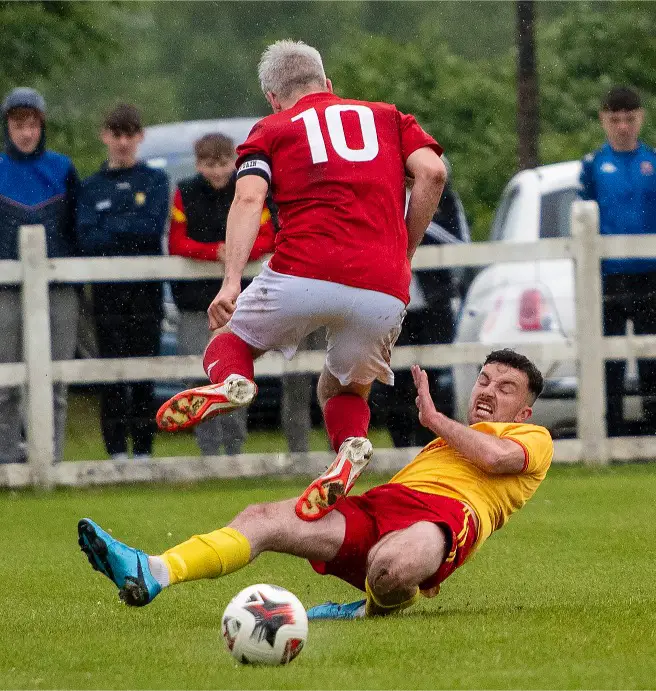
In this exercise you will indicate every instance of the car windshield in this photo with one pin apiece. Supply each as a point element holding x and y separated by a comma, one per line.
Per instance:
<point>505,216</point>
<point>555,210</point>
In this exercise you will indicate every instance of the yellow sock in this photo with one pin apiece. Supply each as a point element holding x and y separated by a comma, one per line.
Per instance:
<point>376,608</point>
<point>207,556</point>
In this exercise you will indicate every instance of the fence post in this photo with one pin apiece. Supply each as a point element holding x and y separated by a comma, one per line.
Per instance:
<point>37,354</point>
<point>591,404</point>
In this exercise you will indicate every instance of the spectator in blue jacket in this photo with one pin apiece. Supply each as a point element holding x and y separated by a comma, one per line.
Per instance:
<point>122,211</point>
<point>37,186</point>
<point>621,178</point>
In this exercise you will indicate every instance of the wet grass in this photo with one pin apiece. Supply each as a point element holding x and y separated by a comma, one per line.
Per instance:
<point>562,598</point>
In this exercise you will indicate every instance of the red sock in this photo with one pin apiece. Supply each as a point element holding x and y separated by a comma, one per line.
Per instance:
<point>227,354</point>
<point>346,415</point>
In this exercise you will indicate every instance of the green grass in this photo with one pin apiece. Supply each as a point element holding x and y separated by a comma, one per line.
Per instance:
<point>84,439</point>
<point>562,598</point>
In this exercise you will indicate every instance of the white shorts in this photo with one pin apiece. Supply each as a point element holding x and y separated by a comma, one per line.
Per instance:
<point>276,311</point>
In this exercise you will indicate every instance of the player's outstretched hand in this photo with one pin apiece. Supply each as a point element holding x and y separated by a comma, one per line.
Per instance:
<point>424,401</point>
<point>222,307</point>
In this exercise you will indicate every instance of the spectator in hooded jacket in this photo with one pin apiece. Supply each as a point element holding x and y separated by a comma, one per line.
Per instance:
<point>37,186</point>
<point>123,211</point>
<point>198,231</point>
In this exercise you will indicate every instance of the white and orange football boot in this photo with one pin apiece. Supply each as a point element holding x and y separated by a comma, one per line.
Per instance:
<point>322,494</point>
<point>192,406</point>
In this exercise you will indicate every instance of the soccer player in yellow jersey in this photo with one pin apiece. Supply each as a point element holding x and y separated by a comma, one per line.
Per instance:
<point>395,541</point>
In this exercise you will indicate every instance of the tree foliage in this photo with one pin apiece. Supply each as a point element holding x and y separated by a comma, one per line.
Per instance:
<point>39,37</point>
<point>450,63</point>
<point>470,105</point>
<point>45,45</point>
<point>469,110</point>
<point>593,47</point>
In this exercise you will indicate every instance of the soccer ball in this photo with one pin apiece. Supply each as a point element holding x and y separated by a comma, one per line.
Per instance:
<point>265,624</point>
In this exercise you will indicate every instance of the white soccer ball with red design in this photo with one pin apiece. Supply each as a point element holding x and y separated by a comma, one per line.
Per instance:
<point>265,624</point>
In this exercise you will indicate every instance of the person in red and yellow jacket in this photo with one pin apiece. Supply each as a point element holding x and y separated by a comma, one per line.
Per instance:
<point>198,231</point>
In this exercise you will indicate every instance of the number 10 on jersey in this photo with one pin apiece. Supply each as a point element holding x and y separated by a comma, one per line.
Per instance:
<point>333,117</point>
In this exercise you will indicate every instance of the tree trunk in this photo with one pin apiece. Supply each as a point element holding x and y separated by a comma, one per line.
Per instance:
<point>527,86</point>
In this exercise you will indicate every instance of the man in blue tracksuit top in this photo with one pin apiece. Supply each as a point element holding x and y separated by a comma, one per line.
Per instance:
<point>122,211</point>
<point>621,178</point>
<point>37,186</point>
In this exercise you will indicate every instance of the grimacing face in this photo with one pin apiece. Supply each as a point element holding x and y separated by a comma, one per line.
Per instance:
<point>25,129</point>
<point>622,127</point>
<point>500,394</point>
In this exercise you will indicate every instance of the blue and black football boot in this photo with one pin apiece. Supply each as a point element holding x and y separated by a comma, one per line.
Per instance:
<point>125,566</point>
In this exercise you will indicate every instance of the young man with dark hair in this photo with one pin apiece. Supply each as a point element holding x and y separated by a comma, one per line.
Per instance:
<point>394,541</point>
<point>521,363</point>
<point>621,178</point>
<point>122,211</point>
<point>37,186</point>
<point>198,230</point>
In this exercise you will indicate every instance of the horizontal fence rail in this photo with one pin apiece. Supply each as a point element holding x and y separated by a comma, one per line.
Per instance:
<point>35,272</point>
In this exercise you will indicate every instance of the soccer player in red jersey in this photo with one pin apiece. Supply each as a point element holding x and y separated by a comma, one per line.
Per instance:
<point>336,170</point>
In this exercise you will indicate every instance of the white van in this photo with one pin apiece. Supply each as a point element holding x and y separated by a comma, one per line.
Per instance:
<point>531,302</point>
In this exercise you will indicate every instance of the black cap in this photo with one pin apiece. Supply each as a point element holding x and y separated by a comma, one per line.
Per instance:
<point>24,97</point>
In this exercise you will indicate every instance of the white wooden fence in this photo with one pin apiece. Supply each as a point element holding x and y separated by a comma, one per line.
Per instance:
<point>38,372</point>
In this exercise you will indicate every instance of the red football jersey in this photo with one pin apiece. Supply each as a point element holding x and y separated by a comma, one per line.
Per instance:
<point>336,168</point>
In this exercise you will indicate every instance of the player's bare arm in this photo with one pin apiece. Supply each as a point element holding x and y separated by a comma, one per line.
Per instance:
<point>490,454</point>
<point>429,177</point>
<point>241,230</point>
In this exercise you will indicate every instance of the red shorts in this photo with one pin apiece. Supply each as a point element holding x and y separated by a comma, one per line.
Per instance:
<point>391,507</point>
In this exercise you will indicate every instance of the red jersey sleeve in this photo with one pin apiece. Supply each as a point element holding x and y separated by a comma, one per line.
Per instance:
<point>254,155</point>
<point>180,243</point>
<point>413,137</point>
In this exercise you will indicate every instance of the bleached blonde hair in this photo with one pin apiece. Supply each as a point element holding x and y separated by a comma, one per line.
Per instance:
<point>288,66</point>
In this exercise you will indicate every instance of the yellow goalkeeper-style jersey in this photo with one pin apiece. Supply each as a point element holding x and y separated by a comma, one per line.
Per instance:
<point>440,469</point>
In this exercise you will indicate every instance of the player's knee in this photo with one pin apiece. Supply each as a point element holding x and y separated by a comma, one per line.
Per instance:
<point>266,524</point>
<point>389,572</point>
<point>327,387</point>
<point>261,515</point>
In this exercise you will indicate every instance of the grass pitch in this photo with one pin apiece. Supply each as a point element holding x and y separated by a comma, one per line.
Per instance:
<point>563,597</point>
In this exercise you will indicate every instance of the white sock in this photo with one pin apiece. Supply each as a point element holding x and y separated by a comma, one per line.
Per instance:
<point>159,570</point>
